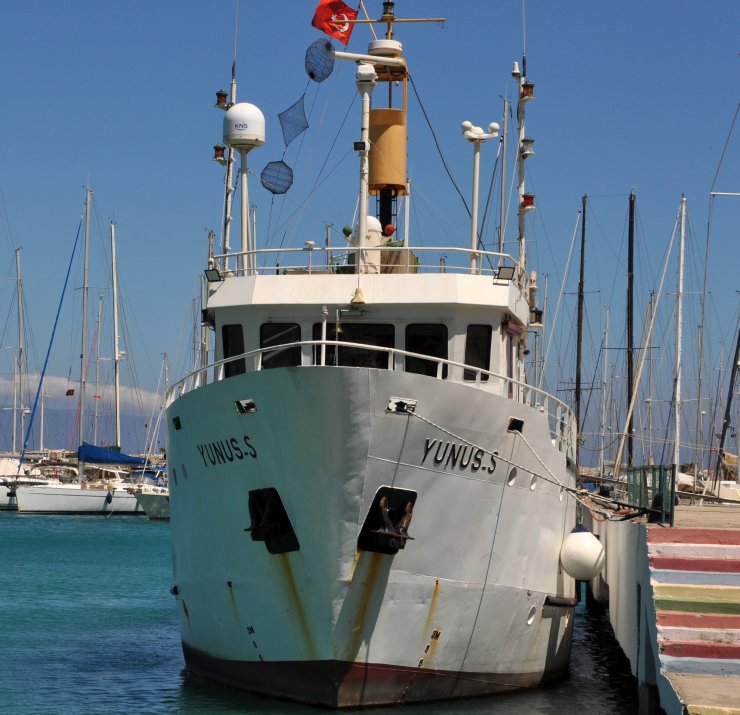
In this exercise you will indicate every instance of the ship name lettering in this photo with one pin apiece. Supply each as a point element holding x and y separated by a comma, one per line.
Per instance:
<point>460,456</point>
<point>226,450</point>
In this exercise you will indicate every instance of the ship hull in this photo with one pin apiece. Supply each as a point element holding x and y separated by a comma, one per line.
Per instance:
<point>474,604</point>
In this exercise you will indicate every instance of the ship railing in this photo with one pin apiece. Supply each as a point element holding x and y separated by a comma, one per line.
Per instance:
<point>561,420</point>
<point>392,258</point>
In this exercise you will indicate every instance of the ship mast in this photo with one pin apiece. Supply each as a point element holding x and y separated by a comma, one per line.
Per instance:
<point>525,150</point>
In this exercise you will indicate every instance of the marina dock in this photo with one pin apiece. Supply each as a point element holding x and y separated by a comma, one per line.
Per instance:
<point>673,595</point>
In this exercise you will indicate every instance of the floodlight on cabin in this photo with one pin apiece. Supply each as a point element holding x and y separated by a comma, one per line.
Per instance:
<point>505,273</point>
<point>213,275</point>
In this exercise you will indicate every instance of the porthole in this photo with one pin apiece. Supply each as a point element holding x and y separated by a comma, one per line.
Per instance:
<point>174,475</point>
<point>562,493</point>
<point>512,477</point>
<point>531,615</point>
<point>533,482</point>
<point>184,471</point>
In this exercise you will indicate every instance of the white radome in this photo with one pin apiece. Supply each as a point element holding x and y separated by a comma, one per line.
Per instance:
<point>244,126</point>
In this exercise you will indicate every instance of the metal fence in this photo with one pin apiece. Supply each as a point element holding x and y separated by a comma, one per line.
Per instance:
<point>653,487</point>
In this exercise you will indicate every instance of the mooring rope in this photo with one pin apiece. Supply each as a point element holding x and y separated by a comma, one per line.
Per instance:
<point>602,504</point>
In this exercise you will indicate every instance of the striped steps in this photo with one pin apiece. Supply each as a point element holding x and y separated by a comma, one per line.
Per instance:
<point>695,576</point>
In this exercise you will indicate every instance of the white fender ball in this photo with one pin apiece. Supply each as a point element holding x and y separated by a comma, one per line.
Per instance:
<point>582,554</point>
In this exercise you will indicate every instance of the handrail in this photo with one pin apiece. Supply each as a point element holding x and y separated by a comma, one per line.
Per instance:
<point>319,259</point>
<point>523,392</point>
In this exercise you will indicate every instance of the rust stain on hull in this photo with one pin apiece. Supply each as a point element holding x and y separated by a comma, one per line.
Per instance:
<point>432,608</point>
<point>368,589</point>
<point>297,604</point>
<point>236,609</point>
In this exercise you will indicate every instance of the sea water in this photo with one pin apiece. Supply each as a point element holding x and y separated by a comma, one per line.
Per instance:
<point>89,626</point>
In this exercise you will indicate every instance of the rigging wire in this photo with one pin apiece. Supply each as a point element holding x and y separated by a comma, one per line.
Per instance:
<point>436,143</point>
<point>48,350</point>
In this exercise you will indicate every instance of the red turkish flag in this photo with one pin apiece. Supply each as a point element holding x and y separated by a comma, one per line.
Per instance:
<point>331,17</point>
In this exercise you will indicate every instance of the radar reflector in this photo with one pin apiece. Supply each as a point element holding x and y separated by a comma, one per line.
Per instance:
<point>293,121</point>
<point>277,177</point>
<point>319,60</point>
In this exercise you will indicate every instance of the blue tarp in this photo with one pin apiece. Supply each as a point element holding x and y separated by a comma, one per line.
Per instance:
<point>101,455</point>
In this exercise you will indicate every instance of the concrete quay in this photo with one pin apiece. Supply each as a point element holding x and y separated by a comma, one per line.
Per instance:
<point>673,595</point>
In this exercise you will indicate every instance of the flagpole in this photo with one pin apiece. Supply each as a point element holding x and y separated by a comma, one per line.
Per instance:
<point>367,17</point>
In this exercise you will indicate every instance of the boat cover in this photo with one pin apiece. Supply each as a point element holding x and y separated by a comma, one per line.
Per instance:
<point>100,455</point>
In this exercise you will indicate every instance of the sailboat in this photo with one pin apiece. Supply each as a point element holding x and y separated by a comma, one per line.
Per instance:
<point>101,486</point>
<point>368,498</point>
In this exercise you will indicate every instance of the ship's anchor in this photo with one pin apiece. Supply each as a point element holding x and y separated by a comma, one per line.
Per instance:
<point>397,534</point>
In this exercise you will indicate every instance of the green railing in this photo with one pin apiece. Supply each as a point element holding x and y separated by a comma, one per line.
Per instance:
<point>653,487</point>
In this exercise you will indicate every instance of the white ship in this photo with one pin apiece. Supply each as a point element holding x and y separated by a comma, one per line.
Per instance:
<point>368,498</point>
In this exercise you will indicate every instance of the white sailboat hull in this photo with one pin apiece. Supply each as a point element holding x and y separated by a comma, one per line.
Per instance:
<point>476,603</point>
<point>72,499</point>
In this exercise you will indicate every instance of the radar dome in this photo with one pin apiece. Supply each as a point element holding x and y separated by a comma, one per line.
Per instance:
<point>244,126</point>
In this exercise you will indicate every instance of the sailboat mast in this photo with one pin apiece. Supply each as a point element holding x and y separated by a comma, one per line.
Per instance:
<point>85,289</point>
<point>728,406</point>
<point>650,387</point>
<point>98,332</point>
<point>630,319</point>
<point>579,339</point>
<point>604,397</point>
<point>679,338</point>
<point>20,417</point>
<point>116,352</point>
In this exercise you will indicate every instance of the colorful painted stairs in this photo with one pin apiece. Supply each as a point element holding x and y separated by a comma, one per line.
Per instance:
<point>695,575</point>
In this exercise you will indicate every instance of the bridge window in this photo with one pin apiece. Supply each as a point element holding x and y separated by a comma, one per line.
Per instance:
<point>379,334</point>
<point>232,337</point>
<point>427,339</point>
<point>275,334</point>
<point>478,350</point>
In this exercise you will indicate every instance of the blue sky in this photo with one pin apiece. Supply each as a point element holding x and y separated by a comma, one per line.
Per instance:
<point>119,96</point>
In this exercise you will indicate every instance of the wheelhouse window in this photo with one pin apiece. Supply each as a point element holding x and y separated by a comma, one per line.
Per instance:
<point>380,334</point>
<point>478,350</point>
<point>232,338</point>
<point>275,334</point>
<point>427,339</point>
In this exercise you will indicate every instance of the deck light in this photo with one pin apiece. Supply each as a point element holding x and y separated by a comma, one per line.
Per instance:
<point>213,275</point>
<point>505,273</point>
